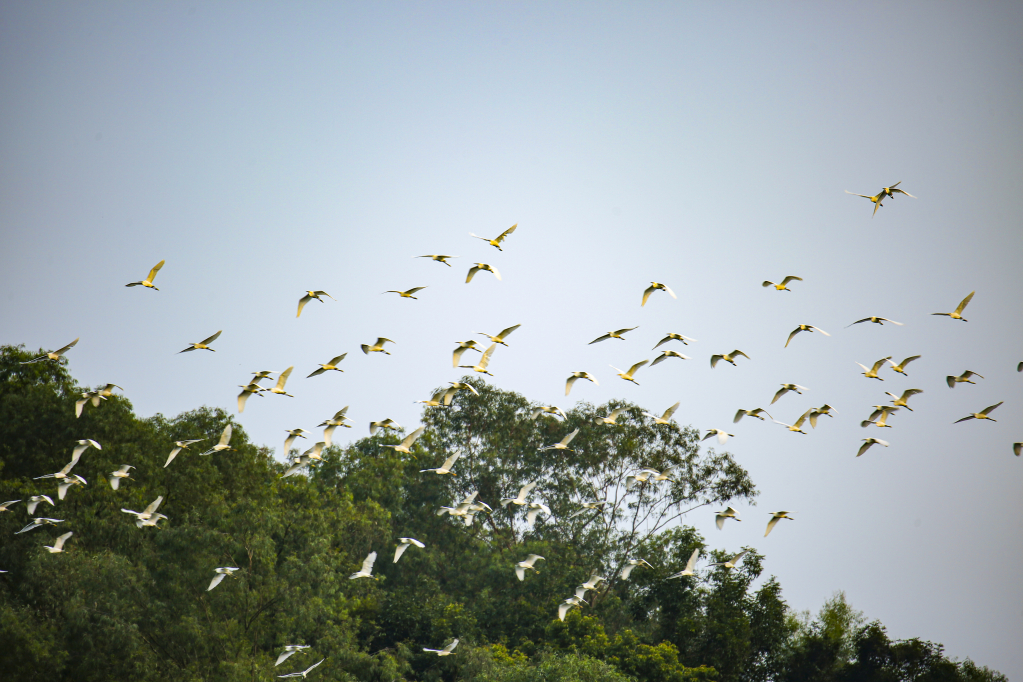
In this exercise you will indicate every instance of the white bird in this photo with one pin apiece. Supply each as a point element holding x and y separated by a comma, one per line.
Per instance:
<point>252,388</point>
<point>39,521</point>
<point>824,409</point>
<point>963,378</point>
<point>867,442</point>
<point>728,513</point>
<point>957,314</point>
<point>377,347</point>
<point>664,418</point>
<point>314,453</point>
<point>631,565</point>
<point>62,474</point>
<point>785,388</point>
<point>68,483</point>
<point>403,544</point>
<point>534,509</point>
<point>5,505</point>
<point>722,435</point>
<point>290,650</point>
<point>94,396</point>
<point>222,444</point>
<point>148,512</point>
<point>153,521</point>
<point>775,517</point>
<point>654,286</point>
<point>496,241</point>
<point>805,328</point>
<point>204,344</point>
<point>731,563</point>
<point>449,650</point>
<point>567,605</point>
<point>674,337</point>
<point>901,367</point>
<point>58,544</point>
<point>221,573</point>
<point>884,411</point>
<point>290,440</point>
<point>983,414</point>
<point>593,581</point>
<point>310,295</point>
<point>527,564</point>
<point>437,399</point>
<point>797,427</point>
<point>628,376</point>
<point>383,424</point>
<point>500,337</point>
<point>180,445</point>
<point>297,464</point>
<point>755,412</point>
<point>563,443</point>
<point>33,502</point>
<point>876,320</point>
<point>367,568</point>
<point>481,367</point>
<point>456,355</point>
<point>53,354</point>
<point>332,364</point>
<point>690,565</point>
<point>406,445</point>
<point>408,293</point>
<point>481,266</point>
<point>642,477</point>
<point>579,375</point>
<point>444,468</point>
<point>727,357</point>
<point>871,372</point>
<point>82,446</point>
<point>148,281</point>
<point>458,386</point>
<point>305,672</point>
<point>900,401</point>
<point>588,506</point>
<point>617,334</point>
<point>278,389</point>
<point>116,476</point>
<point>553,410</point>
<point>520,499</point>
<point>611,418</point>
<point>784,283</point>
<point>439,258</point>
<point>875,199</point>
<point>665,354</point>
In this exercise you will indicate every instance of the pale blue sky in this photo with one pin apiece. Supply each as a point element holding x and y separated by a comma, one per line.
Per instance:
<point>265,149</point>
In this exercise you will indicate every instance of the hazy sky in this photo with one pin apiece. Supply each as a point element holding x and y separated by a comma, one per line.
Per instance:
<point>266,149</point>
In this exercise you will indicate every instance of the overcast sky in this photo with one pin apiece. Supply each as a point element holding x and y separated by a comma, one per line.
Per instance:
<point>266,149</point>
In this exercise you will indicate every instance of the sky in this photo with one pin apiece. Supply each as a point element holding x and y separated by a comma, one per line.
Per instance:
<point>263,149</point>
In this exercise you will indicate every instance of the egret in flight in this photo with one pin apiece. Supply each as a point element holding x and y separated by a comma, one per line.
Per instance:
<point>534,509</point>
<point>148,281</point>
<point>290,650</point>
<point>628,376</point>
<point>5,505</point>
<point>278,389</point>
<point>383,424</point>
<point>482,266</point>
<point>664,418</point>
<point>784,283</point>
<point>674,337</point>
<point>39,521</point>
<point>775,518</point>
<point>496,241</point>
<point>367,568</point>
<point>553,410</point>
<point>58,544</point>
<point>654,286</point>
<point>377,347</point>
<point>690,565</point>
<point>449,650</point>
<point>251,388</point>
<point>824,409</point>
<point>805,328</point>
<point>983,414</point>
<point>62,474</point>
<point>731,563</point>
<point>520,499</point>
<point>463,346</point>
<point>728,513</point>
<point>33,502</point>
<point>82,446</point>
<point>481,366</point>
<point>204,344</point>
<point>957,314</point>
<point>310,295</point>
<point>901,367</point>
<point>403,544</point>
<point>221,573</point>
<point>882,411</point>
<point>148,512</point>
<point>527,564</point>
<point>579,375</point>
<point>122,473</point>
<point>612,335</point>
<point>867,442</point>
<point>563,443</point>
<point>68,483</point>
<point>222,444</point>
<point>53,354</point>
<point>871,372</point>
<point>876,320</point>
<point>798,426</point>
<point>180,445</point>
<point>290,440</point>
<point>876,199</point>
<point>722,436</point>
<point>406,294</point>
<point>611,418</point>
<point>900,401</point>
<point>665,354</point>
<point>305,672</point>
<point>588,506</point>
<point>332,364</point>
<point>438,258</point>
<point>631,565</point>
<point>727,357</point>
<point>963,378</point>
<point>437,399</point>
<point>458,386</point>
<point>504,333</point>
<point>444,468</point>
<point>94,396</point>
<point>785,388</point>
<point>755,412</point>
<point>406,445</point>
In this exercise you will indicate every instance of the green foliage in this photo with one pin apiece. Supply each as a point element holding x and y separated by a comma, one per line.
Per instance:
<point>128,603</point>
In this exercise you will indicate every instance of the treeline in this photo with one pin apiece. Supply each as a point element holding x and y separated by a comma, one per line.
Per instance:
<point>129,603</point>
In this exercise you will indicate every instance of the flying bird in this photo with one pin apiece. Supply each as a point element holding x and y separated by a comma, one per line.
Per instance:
<point>67,484</point>
<point>690,565</point>
<point>221,573</point>
<point>496,241</point>
<point>612,418</point>
<point>534,509</point>
<point>628,376</point>
<point>39,521</point>
<point>458,386</point>
<point>824,409</point>
<point>664,418</point>
<point>122,473</point>
<point>654,286</point>
<point>612,335</point>
<point>53,354</point>
<point>900,401</point>
<point>867,442</point>
<point>588,506</point>
<point>305,672</point>
<point>805,328</point>
<point>563,443</point>
<point>377,347</point>
<point>728,513</point>
<point>481,366</point>
<point>148,281</point>
<point>290,440</point>
<point>463,346</point>
<point>406,294</point>
<point>552,410</point>
<point>785,388</point>
<point>367,568</point>
<point>755,412</point>
<point>5,505</point>
<point>901,367</point>
<point>520,498</point>
<point>252,388</point>
<point>665,354</point>
<point>731,563</point>
<point>784,283</point>
<point>33,502</point>
<point>631,565</point>
<point>775,518</point>
<point>148,512</point>
<point>882,411</point>
<point>983,414</point>
<point>875,320</point>
<point>222,444</point>
<point>1017,447</point>
<point>579,375</point>
<point>62,474</point>
<point>439,258</point>
<point>674,337</point>
<point>871,372</point>
<point>449,650</point>
<point>891,191</point>
<point>798,426</point>
<point>332,364</point>
<point>94,396</point>
<point>403,544</point>
<point>482,266</point>
<point>204,344</point>
<point>290,650</point>
<point>963,378</point>
<point>957,314</point>
<point>58,544</point>
<point>527,564</point>
<point>406,445</point>
<point>727,357</point>
<point>722,436</point>
<point>504,333</point>
<point>82,446</point>
<point>444,468</point>
<point>383,424</point>
<point>278,389</point>
<point>876,199</point>
<point>437,399</point>
<point>310,295</point>
<point>180,445</point>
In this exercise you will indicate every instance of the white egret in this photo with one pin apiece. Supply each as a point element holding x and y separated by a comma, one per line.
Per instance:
<point>901,367</point>
<point>534,509</point>
<point>459,386</point>
<point>520,498</point>
<point>728,513</point>
<point>437,399</point>
<point>449,650</point>
<point>58,544</point>
<point>367,568</point>
<point>439,258</point>
<point>797,427</point>
<point>775,518</point>
<point>671,336</point>
<point>665,354</point>
<point>278,388</point>
<point>290,650</point>
<point>871,372</point>
<point>204,344</point>
<point>122,473</point>
<point>94,396</point>
<point>628,376</point>
<point>727,357</point>
<point>68,483</point>
<point>310,295</point>
<point>957,314</point>
<point>148,512</point>
<point>221,573</point>
<point>900,401</point>
<point>406,445</point>
<point>611,418</point>
<point>290,440</point>
<point>731,563</point>
<point>222,444</point>
<point>62,474</point>
<point>377,347</point>
<point>82,446</point>
<point>407,293</point>
<point>876,320</point>
<point>180,445</point>
<point>654,286</point>
<point>481,266</point>
<point>867,442</point>
<point>305,672</point>
<point>664,418</point>
<point>383,424</point>
<point>963,378</point>
<point>612,335</point>
<point>403,544</point>
<point>563,443</point>
<point>463,346</point>
<point>553,410</point>
<point>804,328</point>
<point>690,565</point>
<point>567,605</point>
<point>332,364</point>
<point>527,564</point>
<point>5,506</point>
<point>588,506</point>
<point>579,375</point>
<point>876,199</point>
<point>34,501</point>
<point>252,388</point>
<point>501,336</point>
<point>785,388</point>
<point>53,354</point>
<point>481,367</point>
<point>641,477</point>
<point>722,435</point>
<point>593,582</point>
<point>784,283</point>
<point>152,521</point>
<point>496,241</point>
<point>148,281</point>
<point>983,414</point>
<point>755,412</point>
<point>824,409</point>
<point>444,468</point>
<point>631,565</point>
<point>891,191</point>
<point>39,521</point>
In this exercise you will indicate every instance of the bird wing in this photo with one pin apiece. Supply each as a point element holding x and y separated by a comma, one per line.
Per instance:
<point>794,332</point>
<point>531,516</point>
<point>962,306</point>
<point>563,609</point>
<point>59,542</point>
<point>908,360</point>
<point>692,559</point>
<point>499,238</point>
<point>283,657</point>
<point>605,337</point>
<point>813,419</point>
<point>520,571</point>
<point>451,647</point>
<point>152,273</point>
<point>789,278</point>
<point>456,356</point>
<point>739,415</point>
<point>719,520</point>
<point>627,571</point>
<point>635,368</point>
<point>568,439</point>
<point>670,411</point>
<point>864,447</point>
<point>505,332</point>
<point>910,392</point>
<point>622,331</point>
<point>381,341</point>
<point>485,360</point>
<point>991,408</point>
<point>739,352</point>
<point>472,271</point>
<point>225,437</point>
<point>283,378</point>
<point>72,345</point>
<point>367,564</point>
<point>210,339</point>
<point>525,490</point>
<point>334,361</point>
<point>411,438</point>
<point>819,330</point>
<point>782,391</point>
<point>216,581</point>
<point>153,506</point>
<point>399,551</point>
<point>450,461</point>
<point>301,304</point>
<point>646,294</point>
<point>770,525</point>
<point>879,364</point>
<point>802,418</point>
<point>569,383</point>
